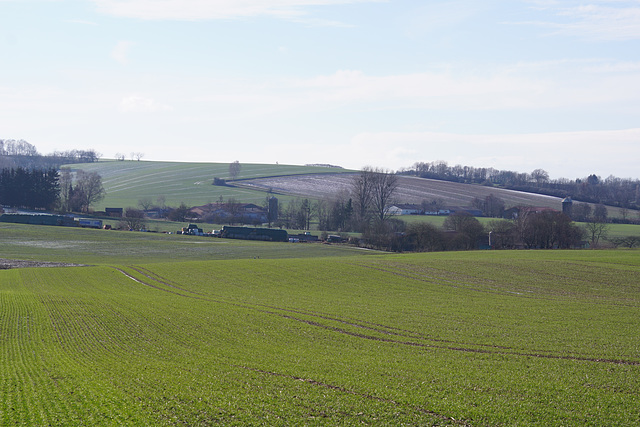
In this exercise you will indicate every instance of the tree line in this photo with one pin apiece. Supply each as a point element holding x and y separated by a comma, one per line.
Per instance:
<point>49,189</point>
<point>20,153</point>
<point>461,231</point>
<point>611,191</point>
<point>29,188</point>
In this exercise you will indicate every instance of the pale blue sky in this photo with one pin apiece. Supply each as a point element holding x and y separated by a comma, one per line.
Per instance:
<point>513,85</point>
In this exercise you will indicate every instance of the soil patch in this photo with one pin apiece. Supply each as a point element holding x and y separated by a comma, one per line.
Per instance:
<point>18,263</point>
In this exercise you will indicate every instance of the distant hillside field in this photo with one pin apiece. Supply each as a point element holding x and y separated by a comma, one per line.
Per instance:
<point>410,190</point>
<point>128,182</point>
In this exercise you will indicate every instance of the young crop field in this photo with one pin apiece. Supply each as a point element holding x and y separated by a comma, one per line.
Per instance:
<point>130,181</point>
<point>612,230</point>
<point>462,338</point>
<point>89,246</point>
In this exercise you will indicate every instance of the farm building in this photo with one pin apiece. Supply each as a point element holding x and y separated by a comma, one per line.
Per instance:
<point>413,209</point>
<point>244,212</point>
<point>89,223</point>
<point>404,209</point>
<point>513,213</point>
<point>567,206</point>
<point>248,233</point>
<point>115,212</point>
<point>39,219</point>
<point>304,237</point>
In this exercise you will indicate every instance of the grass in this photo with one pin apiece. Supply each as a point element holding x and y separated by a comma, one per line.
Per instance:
<point>613,230</point>
<point>89,246</point>
<point>130,181</point>
<point>167,330</point>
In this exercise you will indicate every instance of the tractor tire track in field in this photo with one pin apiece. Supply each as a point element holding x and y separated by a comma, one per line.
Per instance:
<point>153,276</point>
<point>383,329</point>
<point>440,281</point>
<point>459,347</point>
<point>450,283</point>
<point>355,393</point>
<point>135,279</point>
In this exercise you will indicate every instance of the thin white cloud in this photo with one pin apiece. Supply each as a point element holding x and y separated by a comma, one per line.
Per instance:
<point>141,104</point>
<point>613,20</point>
<point>433,89</point>
<point>82,22</point>
<point>120,52</point>
<point>432,17</point>
<point>603,22</point>
<point>198,10</point>
<point>523,86</point>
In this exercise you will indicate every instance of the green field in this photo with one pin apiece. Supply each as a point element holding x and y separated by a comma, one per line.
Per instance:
<point>130,181</point>
<point>89,246</point>
<point>180,330</point>
<point>613,230</point>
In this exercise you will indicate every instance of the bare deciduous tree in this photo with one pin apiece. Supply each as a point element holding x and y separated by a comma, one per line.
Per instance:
<point>88,189</point>
<point>372,191</point>
<point>145,203</point>
<point>133,220</point>
<point>66,189</point>
<point>234,169</point>
<point>385,183</point>
<point>362,194</point>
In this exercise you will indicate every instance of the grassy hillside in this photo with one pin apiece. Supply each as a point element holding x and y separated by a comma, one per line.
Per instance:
<point>129,181</point>
<point>468,338</point>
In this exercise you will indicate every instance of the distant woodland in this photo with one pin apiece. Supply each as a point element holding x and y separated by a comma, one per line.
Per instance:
<point>612,191</point>
<point>21,154</point>
<point>31,180</point>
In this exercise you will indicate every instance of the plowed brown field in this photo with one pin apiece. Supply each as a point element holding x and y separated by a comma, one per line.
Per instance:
<point>410,190</point>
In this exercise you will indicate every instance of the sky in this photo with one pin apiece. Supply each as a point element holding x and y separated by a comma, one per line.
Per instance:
<point>509,84</point>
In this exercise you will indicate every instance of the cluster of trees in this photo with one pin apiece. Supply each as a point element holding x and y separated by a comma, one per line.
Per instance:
<point>372,192</point>
<point>32,181</point>
<point>593,189</point>
<point>20,153</point>
<point>77,194</point>
<point>75,156</point>
<point>336,214</point>
<point>133,219</point>
<point>50,189</point>
<point>134,155</point>
<point>29,188</point>
<point>490,206</point>
<point>461,231</point>
<point>545,230</point>
<point>12,147</point>
<point>298,214</point>
<point>362,208</point>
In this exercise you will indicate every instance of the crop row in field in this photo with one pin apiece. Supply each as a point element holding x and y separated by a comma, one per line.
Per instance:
<point>128,182</point>
<point>410,190</point>
<point>527,338</point>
